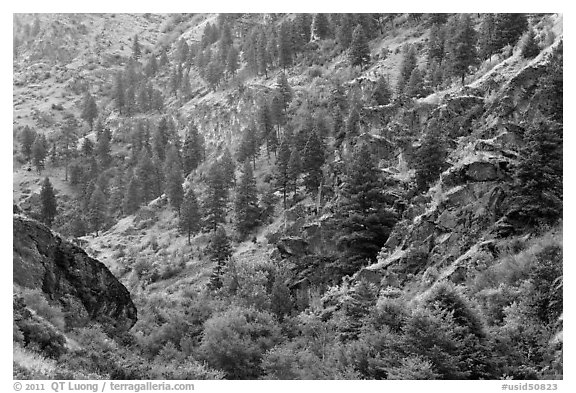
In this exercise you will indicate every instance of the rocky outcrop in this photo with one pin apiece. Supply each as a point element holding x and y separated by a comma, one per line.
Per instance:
<point>84,287</point>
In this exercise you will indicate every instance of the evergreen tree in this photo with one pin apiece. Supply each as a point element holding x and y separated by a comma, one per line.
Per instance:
<point>344,31</point>
<point>436,42</point>
<point>89,109</point>
<point>284,46</point>
<point>263,57</point>
<point>232,64</point>
<point>487,44</point>
<point>87,147</point>
<point>246,203</point>
<point>265,125</point>
<point>312,162</point>
<point>463,48</point>
<point>294,170</point>
<point>353,123</point>
<point>220,251</point>
<point>190,215</point>
<point>539,175</point>
<point>39,152</point>
<point>216,197</point>
<point>281,172</point>
<point>530,48</point>
<point>430,158</point>
<point>406,68</point>
<point>27,139</point>
<point>415,87</point>
<point>249,147</point>
<point>284,90</point>
<point>228,168</point>
<point>382,94</point>
<point>359,51</point>
<point>320,26</point>
<point>164,58</point>
<point>147,175</point>
<point>68,140</point>
<point>103,148</point>
<point>174,179</point>
<point>49,207</point>
<point>280,298</point>
<point>366,218</point>
<point>193,149</point>
<point>151,67</point>
<point>136,49</point>
<point>97,209</point>
<point>509,28</point>
<point>119,92</point>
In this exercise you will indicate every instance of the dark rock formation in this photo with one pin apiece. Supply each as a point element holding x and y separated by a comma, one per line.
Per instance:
<point>64,272</point>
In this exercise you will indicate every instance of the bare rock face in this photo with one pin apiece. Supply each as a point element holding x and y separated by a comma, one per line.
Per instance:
<point>85,288</point>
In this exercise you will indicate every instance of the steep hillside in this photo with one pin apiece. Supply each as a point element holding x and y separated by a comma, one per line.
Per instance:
<point>298,196</point>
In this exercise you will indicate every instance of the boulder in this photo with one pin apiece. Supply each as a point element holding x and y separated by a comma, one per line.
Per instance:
<point>292,246</point>
<point>65,273</point>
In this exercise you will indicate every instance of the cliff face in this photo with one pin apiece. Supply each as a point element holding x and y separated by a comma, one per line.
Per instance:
<point>83,286</point>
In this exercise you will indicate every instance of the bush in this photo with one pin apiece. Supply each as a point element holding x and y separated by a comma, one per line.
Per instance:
<point>36,301</point>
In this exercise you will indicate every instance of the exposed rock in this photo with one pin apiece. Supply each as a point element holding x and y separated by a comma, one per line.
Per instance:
<point>64,272</point>
<point>292,246</point>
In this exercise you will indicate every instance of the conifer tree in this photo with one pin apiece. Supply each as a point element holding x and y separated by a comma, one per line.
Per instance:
<point>344,31</point>
<point>509,28</point>
<point>294,170</point>
<point>89,109</point>
<point>216,197</point>
<point>147,175</point>
<point>365,219</point>
<point>487,37</point>
<point>353,123</point>
<point>415,87</point>
<point>220,251</point>
<point>320,26</point>
<point>164,58</point>
<point>228,168</point>
<point>263,57</point>
<point>312,162</point>
<point>430,158</point>
<point>103,148</point>
<point>132,198</point>
<point>406,68</point>
<point>193,149</point>
<point>174,179</point>
<point>284,89</point>
<point>232,64</point>
<point>119,92</point>
<point>136,50</point>
<point>359,51</point>
<point>280,297</point>
<point>97,209</point>
<point>49,207</point>
<point>249,146</point>
<point>382,94</point>
<point>284,46</point>
<point>265,125</point>
<point>39,152</point>
<point>281,170</point>
<point>539,175</point>
<point>190,214</point>
<point>27,139</point>
<point>246,203</point>
<point>463,47</point>
<point>436,43</point>
<point>530,47</point>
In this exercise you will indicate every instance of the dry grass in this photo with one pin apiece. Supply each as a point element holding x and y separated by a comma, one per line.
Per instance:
<point>36,364</point>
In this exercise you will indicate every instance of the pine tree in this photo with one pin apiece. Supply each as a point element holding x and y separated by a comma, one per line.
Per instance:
<point>509,28</point>
<point>539,175</point>
<point>312,163</point>
<point>353,123</point>
<point>281,170</point>
<point>147,175</point>
<point>530,48</point>
<point>406,68</point>
<point>280,297</point>
<point>436,43</point>
<point>216,197</point>
<point>39,152</point>
<point>284,89</point>
<point>463,48</point>
<point>89,109</point>
<point>382,94</point>
<point>344,31</point>
<point>232,64</point>
<point>97,209</point>
<point>119,92</point>
<point>263,57</point>
<point>103,148</point>
<point>193,149</point>
<point>220,251</point>
<point>49,207</point>
<point>136,50</point>
<point>228,168</point>
<point>359,51</point>
<point>190,214</point>
<point>87,147</point>
<point>27,139</point>
<point>415,87</point>
<point>284,46</point>
<point>249,146</point>
<point>320,26</point>
<point>68,140</point>
<point>487,37</point>
<point>365,219</point>
<point>164,58</point>
<point>294,170</point>
<point>246,203</point>
<point>174,179</point>
<point>265,124</point>
<point>151,67</point>
<point>430,158</point>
